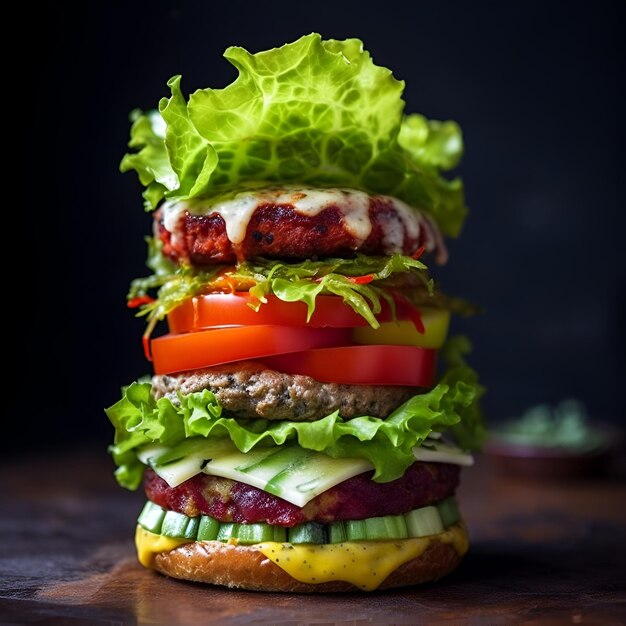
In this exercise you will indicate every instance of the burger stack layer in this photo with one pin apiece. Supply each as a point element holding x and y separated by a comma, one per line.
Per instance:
<point>307,416</point>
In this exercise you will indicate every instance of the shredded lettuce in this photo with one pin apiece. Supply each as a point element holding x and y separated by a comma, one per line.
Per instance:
<point>387,443</point>
<point>304,281</point>
<point>290,282</point>
<point>314,111</point>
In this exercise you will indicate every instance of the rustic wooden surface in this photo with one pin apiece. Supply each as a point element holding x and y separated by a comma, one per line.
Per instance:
<point>542,552</point>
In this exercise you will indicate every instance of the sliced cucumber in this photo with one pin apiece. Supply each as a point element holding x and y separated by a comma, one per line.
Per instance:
<point>308,532</point>
<point>175,525</point>
<point>191,531</point>
<point>151,517</point>
<point>424,522</point>
<point>356,530</point>
<point>254,533</point>
<point>386,527</point>
<point>449,511</point>
<point>227,531</point>
<point>337,532</point>
<point>207,528</point>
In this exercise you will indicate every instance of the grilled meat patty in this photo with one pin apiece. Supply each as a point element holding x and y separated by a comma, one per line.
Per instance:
<point>277,229</point>
<point>356,498</point>
<point>248,390</point>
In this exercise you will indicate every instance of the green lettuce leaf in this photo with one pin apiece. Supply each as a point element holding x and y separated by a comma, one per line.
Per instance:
<point>317,112</point>
<point>151,161</point>
<point>387,443</point>
<point>470,431</point>
<point>433,144</point>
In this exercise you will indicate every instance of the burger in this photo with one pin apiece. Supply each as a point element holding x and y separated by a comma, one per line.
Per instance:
<point>306,419</point>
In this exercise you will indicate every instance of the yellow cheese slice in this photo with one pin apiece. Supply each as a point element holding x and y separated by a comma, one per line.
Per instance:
<point>365,564</point>
<point>148,544</point>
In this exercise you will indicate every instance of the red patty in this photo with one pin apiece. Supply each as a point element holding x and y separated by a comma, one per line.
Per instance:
<point>356,498</point>
<point>278,231</point>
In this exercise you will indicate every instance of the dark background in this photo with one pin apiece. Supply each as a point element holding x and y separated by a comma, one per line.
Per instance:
<point>532,84</point>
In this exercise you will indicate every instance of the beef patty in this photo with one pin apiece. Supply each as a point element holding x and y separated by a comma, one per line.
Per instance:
<point>276,229</point>
<point>249,390</point>
<point>356,498</point>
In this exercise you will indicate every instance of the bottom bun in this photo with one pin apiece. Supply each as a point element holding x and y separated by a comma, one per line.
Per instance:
<point>246,567</point>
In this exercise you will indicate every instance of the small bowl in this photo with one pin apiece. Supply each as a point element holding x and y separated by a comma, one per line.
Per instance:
<point>547,462</point>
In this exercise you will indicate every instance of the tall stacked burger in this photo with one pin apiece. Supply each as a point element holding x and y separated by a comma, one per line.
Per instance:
<point>307,418</point>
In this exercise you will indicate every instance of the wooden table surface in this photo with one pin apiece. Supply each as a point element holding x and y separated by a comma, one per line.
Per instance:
<point>542,552</point>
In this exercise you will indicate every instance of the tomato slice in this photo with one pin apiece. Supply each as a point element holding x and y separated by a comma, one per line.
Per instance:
<point>232,309</point>
<point>362,365</point>
<point>187,351</point>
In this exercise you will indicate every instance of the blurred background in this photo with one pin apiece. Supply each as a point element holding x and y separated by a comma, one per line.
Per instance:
<point>532,84</point>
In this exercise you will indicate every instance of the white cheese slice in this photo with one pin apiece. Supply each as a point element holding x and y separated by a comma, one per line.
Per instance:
<point>439,451</point>
<point>288,471</point>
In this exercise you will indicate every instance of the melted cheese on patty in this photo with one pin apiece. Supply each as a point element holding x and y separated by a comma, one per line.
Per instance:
<point>237,210</point>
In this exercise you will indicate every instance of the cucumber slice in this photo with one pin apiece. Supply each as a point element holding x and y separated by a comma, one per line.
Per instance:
<point>449,511</point>
<point>424,522</point>
<point>355,529</point>
<point>151,517</point>
<point>430,520</point>
<point>254,533</point>
<point>227,531</point>
<point>193,523</point>
<point>400,529</point>
<point>207,528</point>
<point>308,532</point>
<point>337,532</point>
<point>174,525</point>
<point>258,532</point>
<point>386,527</point>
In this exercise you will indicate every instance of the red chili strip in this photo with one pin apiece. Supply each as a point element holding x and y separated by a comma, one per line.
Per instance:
<point>138,301</point>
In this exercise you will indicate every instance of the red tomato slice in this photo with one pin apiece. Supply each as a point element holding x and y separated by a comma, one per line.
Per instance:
<point>226,309</point>
<point>188,351</point>
<point>362,365</point>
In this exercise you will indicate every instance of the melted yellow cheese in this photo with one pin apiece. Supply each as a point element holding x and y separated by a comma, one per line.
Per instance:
<point>365,564</point>
<point>148,544</point>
